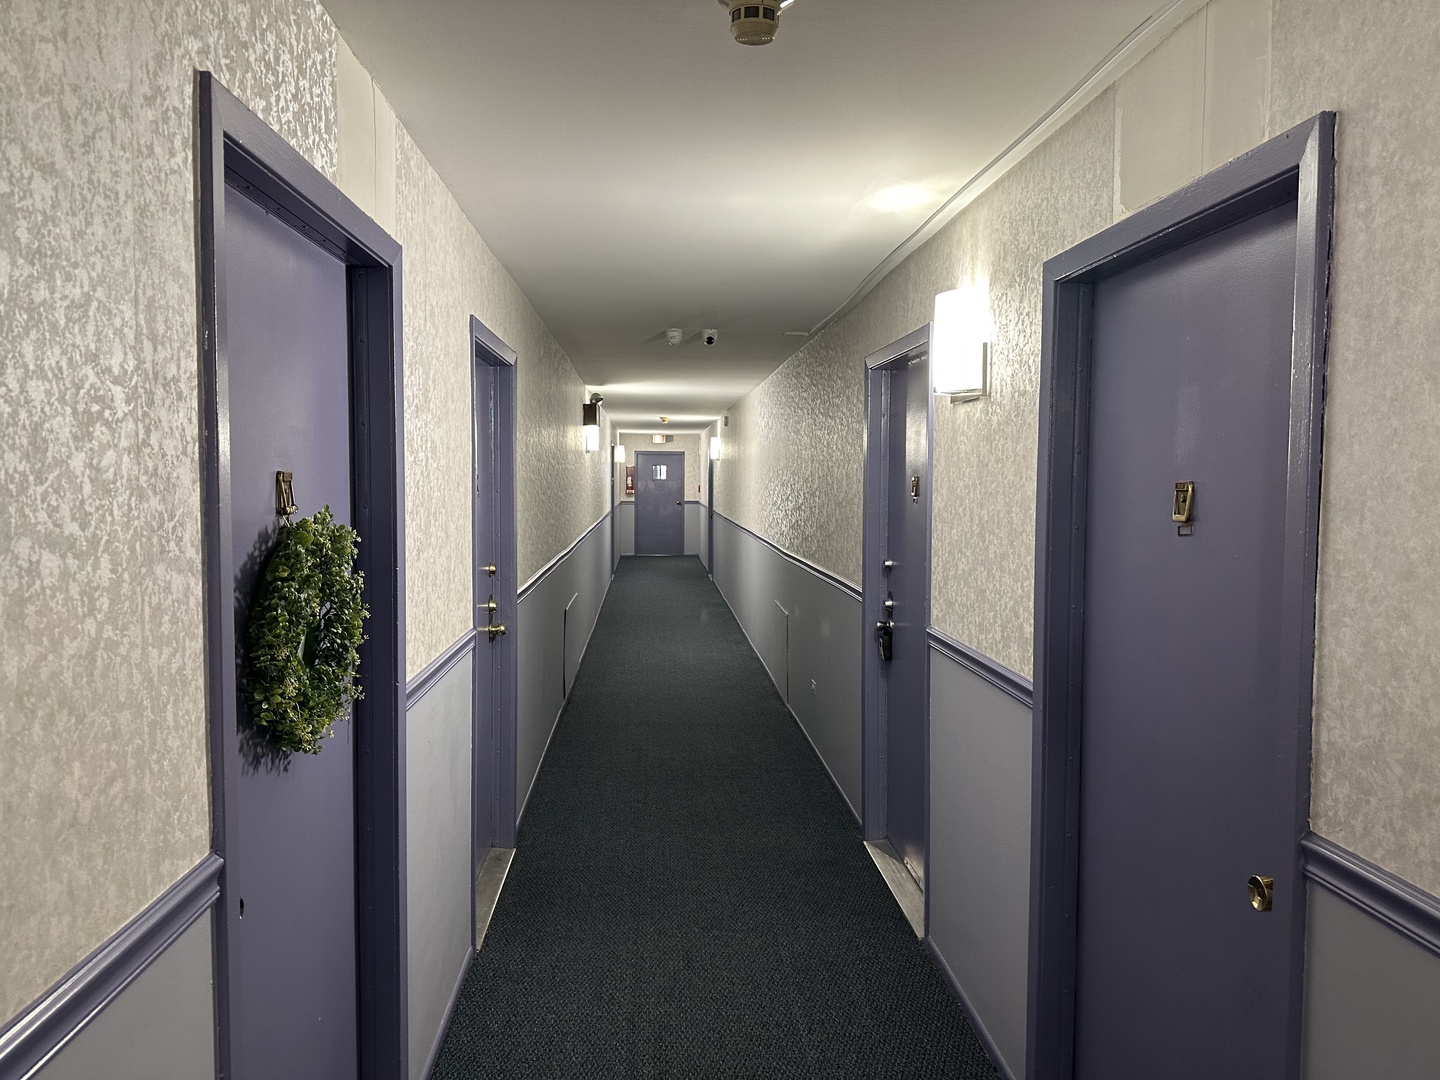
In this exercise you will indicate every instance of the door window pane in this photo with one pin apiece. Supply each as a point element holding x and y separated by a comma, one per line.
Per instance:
<point>657,472</point>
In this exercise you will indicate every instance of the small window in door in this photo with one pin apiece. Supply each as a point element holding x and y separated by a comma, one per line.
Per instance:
<point>657,472</point>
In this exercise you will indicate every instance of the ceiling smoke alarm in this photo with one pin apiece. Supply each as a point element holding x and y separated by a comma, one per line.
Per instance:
<point>753,24</point>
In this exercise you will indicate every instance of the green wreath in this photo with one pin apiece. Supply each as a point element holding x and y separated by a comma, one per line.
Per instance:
<point>304,632</point>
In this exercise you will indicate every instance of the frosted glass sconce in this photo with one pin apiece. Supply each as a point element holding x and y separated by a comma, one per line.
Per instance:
<point>959,345</point>
<point>620,454</point>
<point>714,447</point>
<point>590,426</point>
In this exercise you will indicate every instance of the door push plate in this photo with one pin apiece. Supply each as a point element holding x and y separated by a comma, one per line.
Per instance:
<point>1184,507</point>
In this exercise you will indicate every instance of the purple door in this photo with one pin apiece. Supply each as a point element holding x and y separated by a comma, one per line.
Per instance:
<point>659,503</point>
<point>908,675</point>
<point>290,862</point>
<point>1184,749</point>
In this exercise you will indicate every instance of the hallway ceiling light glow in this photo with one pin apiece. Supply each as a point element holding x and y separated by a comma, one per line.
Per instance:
<point>590,426</point>
<point>960,345</point>
<point>896,197</point>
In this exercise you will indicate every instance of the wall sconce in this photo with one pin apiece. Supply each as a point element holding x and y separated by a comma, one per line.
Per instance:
<point>959,349</point>
<point>620,454</point>
<point>590,426</point>
<point>714,447</point>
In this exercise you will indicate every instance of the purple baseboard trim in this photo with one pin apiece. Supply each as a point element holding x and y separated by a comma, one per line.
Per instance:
<point>438,668</point>
<point>976,1023</point>
<point>57,1016</point>
<point>999,676</point>
<point>1405,908</point>
<point>434,1054</point>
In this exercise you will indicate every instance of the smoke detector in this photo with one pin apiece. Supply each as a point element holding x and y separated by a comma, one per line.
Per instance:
<point>751,23</point>
<point>674,335</point>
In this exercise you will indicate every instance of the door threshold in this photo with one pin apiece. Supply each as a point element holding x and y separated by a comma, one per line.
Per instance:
<point>488,884</point>
<point>902,883</point>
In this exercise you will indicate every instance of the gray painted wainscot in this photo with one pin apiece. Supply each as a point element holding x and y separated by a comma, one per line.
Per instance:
<point>557,612</point>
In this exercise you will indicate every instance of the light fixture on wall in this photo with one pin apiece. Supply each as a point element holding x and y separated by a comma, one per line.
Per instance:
<point>590,424</point>
<point>960,344</point>
<point>619,453</point>
<point>714,447</point>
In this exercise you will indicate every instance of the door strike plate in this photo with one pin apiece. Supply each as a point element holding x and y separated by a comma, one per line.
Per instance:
<point>1184,507</point>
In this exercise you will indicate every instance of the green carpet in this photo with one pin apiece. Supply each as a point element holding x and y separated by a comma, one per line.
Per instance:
<point>690,896</point>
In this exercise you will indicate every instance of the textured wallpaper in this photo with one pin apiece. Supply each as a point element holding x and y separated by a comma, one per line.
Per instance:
<point>104,791</point>
<point>449,275</point>
<point>1377,724</point>
<point>794,466</point>
<point>696,473</point>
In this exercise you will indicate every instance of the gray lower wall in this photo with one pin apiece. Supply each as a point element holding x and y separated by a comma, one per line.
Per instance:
<point>703,545</point>
<point>438,830</point>
<point>551,642</point>
<point>980,741</point>
<point>625,527</point>
<point>1372,997</point>
<point>160,1027</point>
<point>695,528</point>
<point>813,654</point>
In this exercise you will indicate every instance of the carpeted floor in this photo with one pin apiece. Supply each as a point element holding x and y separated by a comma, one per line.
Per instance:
<point>690,896</point>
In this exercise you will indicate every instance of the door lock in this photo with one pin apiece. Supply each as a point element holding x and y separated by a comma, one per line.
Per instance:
<point>885,638</point>
<point>490,569</point>
<point>495,630</point>
<point>889,565</point>
<point>490,605</point>
<point>1262,892</point>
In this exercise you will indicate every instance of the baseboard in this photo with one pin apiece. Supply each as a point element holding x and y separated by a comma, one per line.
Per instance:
<point>39,1032</point>
<point>976,1023</point>
<point>1405,908</point>
<point>434,1054</point>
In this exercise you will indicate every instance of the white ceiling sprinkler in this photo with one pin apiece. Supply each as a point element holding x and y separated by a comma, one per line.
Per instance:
<point>754,23</point>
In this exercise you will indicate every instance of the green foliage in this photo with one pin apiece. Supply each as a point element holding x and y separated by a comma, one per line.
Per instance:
<point>304,633</point>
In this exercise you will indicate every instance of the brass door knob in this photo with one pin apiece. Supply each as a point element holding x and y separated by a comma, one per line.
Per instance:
<point>495,630</point>
<point>1262,892</point>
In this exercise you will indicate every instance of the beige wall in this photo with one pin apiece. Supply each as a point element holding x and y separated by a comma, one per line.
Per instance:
<point>692,446</point>
<point>104,790</point>
<point>1234,73</point>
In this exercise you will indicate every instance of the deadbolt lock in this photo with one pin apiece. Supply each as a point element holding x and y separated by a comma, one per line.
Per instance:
<point>490,605</point>
<point>490,569</point>
<point>1262,892</point>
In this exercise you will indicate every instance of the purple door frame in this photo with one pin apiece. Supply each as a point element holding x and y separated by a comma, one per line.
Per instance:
<point>492,390</point>
<point>236,148</point>
<point>1298,164</point>
<point>874,586</point>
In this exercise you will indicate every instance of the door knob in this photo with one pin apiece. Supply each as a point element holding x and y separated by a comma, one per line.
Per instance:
<point>1262,892</point>
<point>495,630</point>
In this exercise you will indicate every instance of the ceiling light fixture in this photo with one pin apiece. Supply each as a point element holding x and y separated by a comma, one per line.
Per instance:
<point>752,23</point>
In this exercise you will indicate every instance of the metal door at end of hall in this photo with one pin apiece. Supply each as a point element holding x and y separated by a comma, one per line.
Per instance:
<point>1186,762</point>
<point>659,503</point>
<point>907,458</point>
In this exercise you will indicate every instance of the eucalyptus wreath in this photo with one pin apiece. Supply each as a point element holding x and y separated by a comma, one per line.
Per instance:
<point>304,632</point>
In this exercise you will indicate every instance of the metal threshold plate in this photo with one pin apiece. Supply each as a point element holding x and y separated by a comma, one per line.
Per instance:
<point>903,886</point>
<point>488,884</point>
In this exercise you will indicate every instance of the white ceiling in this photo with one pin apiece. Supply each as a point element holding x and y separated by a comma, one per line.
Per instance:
<point>636,169</point>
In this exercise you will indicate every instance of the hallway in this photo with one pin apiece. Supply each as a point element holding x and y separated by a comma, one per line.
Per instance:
<point>690,896</point>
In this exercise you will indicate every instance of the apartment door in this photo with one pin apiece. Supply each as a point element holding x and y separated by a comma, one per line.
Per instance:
<point>896,596</point>
<point>1186,752</point>
<point>907,610</point>
<point>495,577</point>
<point>290,861</point>
<point>659,503</point>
